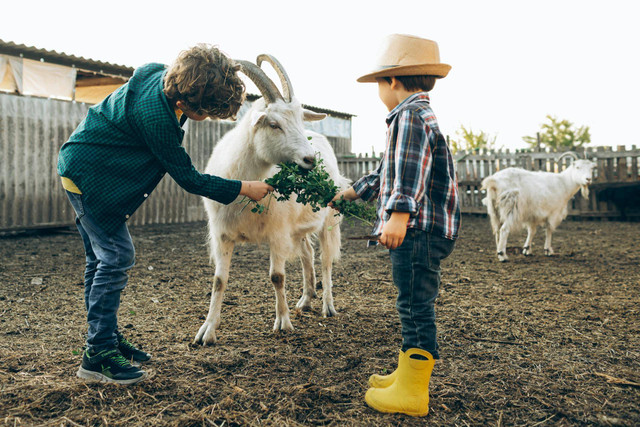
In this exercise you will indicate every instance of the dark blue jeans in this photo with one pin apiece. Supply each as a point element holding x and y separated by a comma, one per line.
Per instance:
<point>108,258</point>
<point>416,274</point>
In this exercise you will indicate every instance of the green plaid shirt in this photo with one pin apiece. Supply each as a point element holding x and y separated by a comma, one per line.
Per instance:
<point>122,149</point>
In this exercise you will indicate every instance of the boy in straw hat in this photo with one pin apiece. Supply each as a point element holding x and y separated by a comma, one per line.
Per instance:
<point>418,213</point>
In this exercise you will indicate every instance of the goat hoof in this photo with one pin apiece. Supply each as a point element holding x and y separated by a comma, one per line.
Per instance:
<point>304,304</point>
<point>206,335</point>
<point>329,312</point>
<point>282,324</point>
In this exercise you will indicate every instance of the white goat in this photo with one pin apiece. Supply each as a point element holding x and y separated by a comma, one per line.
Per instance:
<point>521,198</point>
<point>271,132</point>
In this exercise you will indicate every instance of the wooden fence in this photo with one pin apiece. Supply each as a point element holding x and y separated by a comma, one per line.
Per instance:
<point>617,168</point>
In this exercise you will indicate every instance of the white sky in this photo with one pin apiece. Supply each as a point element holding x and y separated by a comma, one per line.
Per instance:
<point>513,62</point>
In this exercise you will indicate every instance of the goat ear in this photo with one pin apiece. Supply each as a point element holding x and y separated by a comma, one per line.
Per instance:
<point>256,116</point>
<point>312,116</point>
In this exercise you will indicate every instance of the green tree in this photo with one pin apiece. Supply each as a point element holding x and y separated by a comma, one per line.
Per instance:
<point>560,134</point>
<point>468,140</point>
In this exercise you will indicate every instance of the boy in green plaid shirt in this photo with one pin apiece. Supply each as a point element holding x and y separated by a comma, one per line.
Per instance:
<point>114,160</point>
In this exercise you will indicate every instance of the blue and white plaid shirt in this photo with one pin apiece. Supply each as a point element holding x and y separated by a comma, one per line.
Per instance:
<point>416,174</point>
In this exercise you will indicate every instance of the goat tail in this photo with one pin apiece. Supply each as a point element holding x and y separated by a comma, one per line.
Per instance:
<point>508,206</point>
<point>491,202</point>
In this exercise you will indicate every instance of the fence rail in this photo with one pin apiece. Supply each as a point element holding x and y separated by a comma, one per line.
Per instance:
<point>31,196</point>
<point>616,169</point>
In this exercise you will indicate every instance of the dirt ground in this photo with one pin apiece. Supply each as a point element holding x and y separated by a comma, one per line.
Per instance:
<point>537,341</point>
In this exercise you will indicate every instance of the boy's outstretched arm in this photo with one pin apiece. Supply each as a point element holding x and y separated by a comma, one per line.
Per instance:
<point>348,194</point>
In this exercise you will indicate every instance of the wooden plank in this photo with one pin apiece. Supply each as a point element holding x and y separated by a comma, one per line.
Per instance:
<point>635,158</point>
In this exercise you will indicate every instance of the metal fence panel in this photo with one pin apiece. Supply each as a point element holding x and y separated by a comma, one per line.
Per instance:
<point>32,130</point>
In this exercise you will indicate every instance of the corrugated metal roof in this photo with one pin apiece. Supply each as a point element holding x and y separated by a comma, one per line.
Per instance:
<point>253,97</point>
<point>61,58</point>
<point>31,52</point>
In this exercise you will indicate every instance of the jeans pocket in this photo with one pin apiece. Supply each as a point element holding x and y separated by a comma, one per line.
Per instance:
<point>439,249</point>
<point>77,203</point>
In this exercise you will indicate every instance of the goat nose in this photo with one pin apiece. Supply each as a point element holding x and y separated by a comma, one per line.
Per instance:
<point>310,160</point>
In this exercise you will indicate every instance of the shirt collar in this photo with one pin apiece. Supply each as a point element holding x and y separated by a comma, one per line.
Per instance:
<point>416,97</point>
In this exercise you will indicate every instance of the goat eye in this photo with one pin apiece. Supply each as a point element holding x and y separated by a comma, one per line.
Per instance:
<point>274,125</point>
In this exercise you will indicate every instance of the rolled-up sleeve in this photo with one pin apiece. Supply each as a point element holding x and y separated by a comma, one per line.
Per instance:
<point>411,163</point>
<point>368,187</point>
<point>167,149</point>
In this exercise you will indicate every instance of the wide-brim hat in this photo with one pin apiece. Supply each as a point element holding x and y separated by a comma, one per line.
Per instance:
<point>405,55</point>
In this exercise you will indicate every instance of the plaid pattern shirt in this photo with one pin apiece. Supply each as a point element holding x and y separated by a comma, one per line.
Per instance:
<point>416,174</point>
<point>122,149</point>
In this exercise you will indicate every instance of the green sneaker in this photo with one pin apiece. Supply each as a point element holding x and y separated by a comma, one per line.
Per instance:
<point>131,352</point>
<point>109,366</point>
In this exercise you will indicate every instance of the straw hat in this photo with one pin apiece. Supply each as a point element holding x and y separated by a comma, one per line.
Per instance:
<point>405,55</point>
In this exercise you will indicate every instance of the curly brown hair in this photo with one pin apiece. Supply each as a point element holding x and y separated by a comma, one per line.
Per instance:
<point>206,80</point>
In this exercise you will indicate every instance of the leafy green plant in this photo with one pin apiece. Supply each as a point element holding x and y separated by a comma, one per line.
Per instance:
<point>365,212</point>
<point>313,187</point>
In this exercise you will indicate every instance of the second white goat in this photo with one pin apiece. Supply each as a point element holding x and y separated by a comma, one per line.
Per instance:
<point>521,198</point>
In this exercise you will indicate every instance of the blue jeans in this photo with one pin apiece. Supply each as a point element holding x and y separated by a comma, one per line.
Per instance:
<point>416,274</point>
<point>108,258</point>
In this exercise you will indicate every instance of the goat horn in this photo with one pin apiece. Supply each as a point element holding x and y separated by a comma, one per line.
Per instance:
<point>287,88</point>
<point>267,88</point>
<point>570,154</point>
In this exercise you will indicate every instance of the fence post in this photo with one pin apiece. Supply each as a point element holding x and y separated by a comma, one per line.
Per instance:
<point>634,163</point>
<point>623,172</point>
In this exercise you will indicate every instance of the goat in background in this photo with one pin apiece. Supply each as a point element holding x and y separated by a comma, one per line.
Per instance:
<point>520,198</point>
<point>271,132</point>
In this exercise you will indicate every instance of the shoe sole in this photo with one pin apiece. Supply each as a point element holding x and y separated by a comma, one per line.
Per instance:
<point>98,377</point>
<point>138,363</point>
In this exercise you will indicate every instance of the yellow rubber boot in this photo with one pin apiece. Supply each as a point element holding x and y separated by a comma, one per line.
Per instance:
<point>409,393</point>
<point>382,381</point>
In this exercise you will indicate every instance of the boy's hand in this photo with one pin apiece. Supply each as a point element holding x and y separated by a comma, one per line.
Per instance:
<point>255,190</point>
<point>394,231</point>
<point>348,194</point>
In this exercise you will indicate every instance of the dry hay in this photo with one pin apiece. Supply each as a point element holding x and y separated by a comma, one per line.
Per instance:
<point>536,341</point>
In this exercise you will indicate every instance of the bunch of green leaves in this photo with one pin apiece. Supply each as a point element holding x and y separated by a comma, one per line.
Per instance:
<point>365,212</point>
<point>313,187</point>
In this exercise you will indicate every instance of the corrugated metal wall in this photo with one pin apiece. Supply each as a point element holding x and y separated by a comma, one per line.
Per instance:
<point>32,130</point>
<point>31,133</point>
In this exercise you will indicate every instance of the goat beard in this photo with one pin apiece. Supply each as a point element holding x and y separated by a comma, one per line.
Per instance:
<point>584,190</point>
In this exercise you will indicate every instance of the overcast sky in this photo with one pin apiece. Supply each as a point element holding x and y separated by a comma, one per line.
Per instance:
<point>513,62</point>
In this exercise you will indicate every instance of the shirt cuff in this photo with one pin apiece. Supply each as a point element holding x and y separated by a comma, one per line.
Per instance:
<point>228,191</point>
<point>401,203</point>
